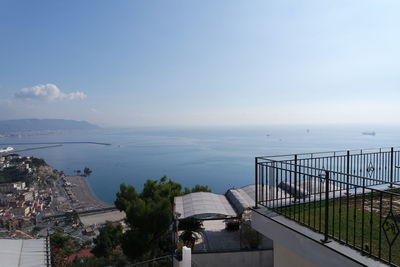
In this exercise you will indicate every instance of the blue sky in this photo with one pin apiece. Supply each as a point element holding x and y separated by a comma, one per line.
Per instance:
<point>189,63</point>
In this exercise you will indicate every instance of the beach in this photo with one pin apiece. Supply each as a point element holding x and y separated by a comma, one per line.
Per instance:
<point>81,195</point>
<point>83,200</point>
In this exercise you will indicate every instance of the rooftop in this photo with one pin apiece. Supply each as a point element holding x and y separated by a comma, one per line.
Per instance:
<point>31,252</point>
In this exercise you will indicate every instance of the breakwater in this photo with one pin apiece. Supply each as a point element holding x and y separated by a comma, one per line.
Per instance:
<point>54,143</point>
<point>34,148</point>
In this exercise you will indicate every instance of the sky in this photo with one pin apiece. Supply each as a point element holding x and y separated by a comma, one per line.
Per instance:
<point>200,63</point>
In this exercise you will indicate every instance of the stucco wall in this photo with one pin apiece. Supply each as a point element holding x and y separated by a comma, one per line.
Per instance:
<point>235,259</point>
<point>283,257</point>
<point>294,247</point>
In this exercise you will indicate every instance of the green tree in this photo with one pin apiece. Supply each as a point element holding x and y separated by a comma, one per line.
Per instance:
<point>61,247</point>
<point>14,174</point>
<point>72,217</point>
<point>197,188</point>
<point>108,239</point>
<point>36,162</point>
<point>148,215</point>
<point>190,226</point>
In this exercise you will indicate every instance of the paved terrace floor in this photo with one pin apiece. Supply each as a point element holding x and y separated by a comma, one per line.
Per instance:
<point>216,238</point>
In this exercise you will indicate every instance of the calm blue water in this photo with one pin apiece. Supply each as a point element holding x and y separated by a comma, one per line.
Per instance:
<point>220,157</point>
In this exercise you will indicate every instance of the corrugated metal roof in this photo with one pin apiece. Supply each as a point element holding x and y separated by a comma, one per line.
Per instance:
<point>241,198</point>
<point>23,252</point>
<point>203,204</point>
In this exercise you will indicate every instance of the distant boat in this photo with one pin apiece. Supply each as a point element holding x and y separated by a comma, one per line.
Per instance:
<point>369,133</point>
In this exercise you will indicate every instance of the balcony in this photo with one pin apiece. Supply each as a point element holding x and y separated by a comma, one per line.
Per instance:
<point>349,197</point>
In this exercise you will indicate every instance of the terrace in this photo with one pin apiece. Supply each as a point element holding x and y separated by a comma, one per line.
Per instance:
<point>350,197</point>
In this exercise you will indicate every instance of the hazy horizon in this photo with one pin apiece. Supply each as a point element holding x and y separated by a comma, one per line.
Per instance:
<point>227,126</point>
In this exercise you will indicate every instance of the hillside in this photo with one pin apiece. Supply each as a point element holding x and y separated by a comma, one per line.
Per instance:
<point>27,125</point>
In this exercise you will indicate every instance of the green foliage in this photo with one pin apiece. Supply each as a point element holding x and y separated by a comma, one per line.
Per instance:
<point>17,160</point>
<point>61,247</point>
<point>89,262</point>
<point>36,229</point>
<point>149,216</point>
<point>13,174</point>
<point>35,162</point>
<point>190,224</point>
<point>197,188</point>
<point>72,217</point>
<point>352,223</point>
<point>108,239</point>
<point>86,244</point>
<point>64,242</point>
<point>190,227</point>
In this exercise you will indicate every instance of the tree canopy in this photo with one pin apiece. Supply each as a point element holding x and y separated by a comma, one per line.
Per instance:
<point>13,174</point>
<point>148,215</point>
<point>62,246</point>
<point>107,240</point>
<point>197,188</point>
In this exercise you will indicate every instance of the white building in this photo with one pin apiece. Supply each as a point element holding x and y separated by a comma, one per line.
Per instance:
<point>6,150</point>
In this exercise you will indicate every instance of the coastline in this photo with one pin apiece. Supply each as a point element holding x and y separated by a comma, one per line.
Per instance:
<point>81,195</point>
<point>86,200</point>
<point>95,197</point>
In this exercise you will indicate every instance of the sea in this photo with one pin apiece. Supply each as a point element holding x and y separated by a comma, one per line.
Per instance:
<point>219,157</point>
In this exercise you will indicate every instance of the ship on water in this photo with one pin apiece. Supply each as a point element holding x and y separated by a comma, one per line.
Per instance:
<point>369,133</point>
<point>6,149</point>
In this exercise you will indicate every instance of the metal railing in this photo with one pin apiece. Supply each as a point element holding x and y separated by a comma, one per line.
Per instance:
<point>342,194</point>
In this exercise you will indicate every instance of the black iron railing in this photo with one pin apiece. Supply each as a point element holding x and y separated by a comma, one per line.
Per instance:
<point>350,196</point>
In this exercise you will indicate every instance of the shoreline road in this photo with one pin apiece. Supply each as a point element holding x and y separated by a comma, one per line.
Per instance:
<point>80,194</point>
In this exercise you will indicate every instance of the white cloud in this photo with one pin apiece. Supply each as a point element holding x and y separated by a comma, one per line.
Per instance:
<point>48,92</point>
<point>95,111</point>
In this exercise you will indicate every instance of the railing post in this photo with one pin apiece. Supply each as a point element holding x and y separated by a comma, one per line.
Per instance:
<point>325,240</point>
<point>348,172</point>
<point>256,183</point>
<point>47,248</point>
<point>295,178</point>
<point>391,166</point>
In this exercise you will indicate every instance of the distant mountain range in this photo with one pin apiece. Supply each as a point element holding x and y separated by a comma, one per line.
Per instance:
<point>30,125</point>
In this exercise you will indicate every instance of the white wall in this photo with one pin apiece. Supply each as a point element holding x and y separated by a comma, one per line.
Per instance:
<point>283,257</point>
<point>292,247</point>
<point>235,259</point>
